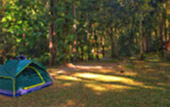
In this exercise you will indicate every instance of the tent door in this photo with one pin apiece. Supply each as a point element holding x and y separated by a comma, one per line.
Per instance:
<point>35,85</point>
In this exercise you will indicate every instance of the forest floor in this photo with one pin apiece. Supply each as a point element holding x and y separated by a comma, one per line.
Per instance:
<point>129,83</point>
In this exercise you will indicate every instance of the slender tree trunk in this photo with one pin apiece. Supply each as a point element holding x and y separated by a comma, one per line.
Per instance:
<point>116,44</point>
<point>54,54</point>
<point>50,44</point>
<point>23,35</point>
<point>93,42</point>
<point>169,29</point>
<point>168,12</point>
<point>82,52</point>
<point>103,45</point>
<point>149,39</point>
<point>141,33</point>
<point>52,32</point>
<point>88,38</point>
<point>66,19</point>
<point>2,11</point>
<point>75,32</point>
<point>145,43</point>
<point>96,45</point>
<point>161,28</point>
<point>65,33</point>
<point>88,43</point>
<point>112,43</point>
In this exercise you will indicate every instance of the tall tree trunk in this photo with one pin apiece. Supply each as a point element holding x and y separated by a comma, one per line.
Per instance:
<point>93,41</point>
<point>2,11</point>
<point>165,19</point>
<point>144,43</point>
<point>161,28</point>
<point>112,43</point>
<point>141,33</point>
<point>52,32</point>
<point>169,29</point>
<point>96,45</point>
<point>74,32</point>
<point>116,44</point>
<point>88,45</point>
<point>65,32</point>
<point>50,44</point>
<point>103,45</point>
<point>88,38</point>
<point>23,35</point>
<point>149,39</point>
<point>82,52</point>
<point>168,12</point>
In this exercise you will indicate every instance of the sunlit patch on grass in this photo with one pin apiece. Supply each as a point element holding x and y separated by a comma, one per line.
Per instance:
<point>114,79</point>
<point>65,77</point>
<point>83,66</point>
<point>110,68</point>
<point>153,87</point>
<point>107,87</point>
<point>56,71</point>
<point>107,78</point>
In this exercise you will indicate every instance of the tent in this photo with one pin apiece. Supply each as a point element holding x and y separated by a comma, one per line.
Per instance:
<point>18,77</point>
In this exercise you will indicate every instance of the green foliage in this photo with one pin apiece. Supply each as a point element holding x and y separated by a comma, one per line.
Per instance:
<point>24,26</point>
<point>44,59</point>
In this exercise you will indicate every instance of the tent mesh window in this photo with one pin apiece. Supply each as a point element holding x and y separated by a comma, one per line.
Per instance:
<point>43,73</point>
<point>6,84</point>
<point>27,78</point>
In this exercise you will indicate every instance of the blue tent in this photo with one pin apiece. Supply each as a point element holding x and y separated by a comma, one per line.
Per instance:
<point>18,77</point>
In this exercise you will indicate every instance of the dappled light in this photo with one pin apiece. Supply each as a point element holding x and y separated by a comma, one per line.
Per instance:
<point>107,78</point>
<point>65,77</point>
<point>83,67</point>
<point>55,71</point>
<point>113,81</point>
<point>107,68</point>
<point>108,87</point>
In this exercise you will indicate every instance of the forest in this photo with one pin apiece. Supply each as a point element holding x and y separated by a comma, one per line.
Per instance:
<point>100,53</point>
<point>55,32</point>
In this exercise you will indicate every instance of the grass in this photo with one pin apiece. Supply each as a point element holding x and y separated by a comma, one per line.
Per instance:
<point>101,84</point>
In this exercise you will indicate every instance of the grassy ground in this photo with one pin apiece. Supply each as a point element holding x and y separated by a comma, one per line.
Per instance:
<point>102,84</point>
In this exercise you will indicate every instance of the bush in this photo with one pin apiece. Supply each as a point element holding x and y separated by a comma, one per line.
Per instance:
<point>44,59</point>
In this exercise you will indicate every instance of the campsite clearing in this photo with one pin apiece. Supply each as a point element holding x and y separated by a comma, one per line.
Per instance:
<point>101,84</point>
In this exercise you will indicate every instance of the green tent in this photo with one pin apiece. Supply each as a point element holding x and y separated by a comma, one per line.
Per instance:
<point>18,77</point>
